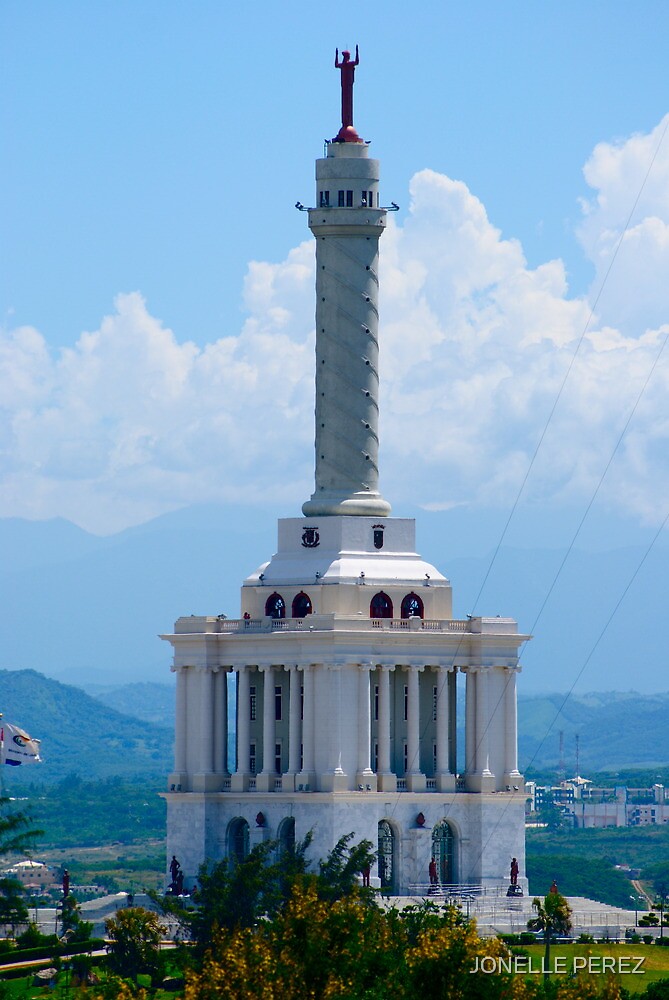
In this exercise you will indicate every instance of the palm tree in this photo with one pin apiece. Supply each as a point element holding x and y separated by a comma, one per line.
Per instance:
<point>553,918</point>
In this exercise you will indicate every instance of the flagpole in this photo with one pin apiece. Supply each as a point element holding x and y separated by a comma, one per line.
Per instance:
<point>2,758</point>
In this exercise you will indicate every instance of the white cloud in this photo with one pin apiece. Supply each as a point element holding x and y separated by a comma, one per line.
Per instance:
<point>135,420</point>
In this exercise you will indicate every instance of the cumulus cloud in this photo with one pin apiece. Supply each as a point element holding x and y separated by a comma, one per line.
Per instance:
<point>136,419</point>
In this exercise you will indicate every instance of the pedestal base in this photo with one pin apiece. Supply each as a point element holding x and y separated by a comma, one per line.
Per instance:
<point>333,782</point>
<point>416,782</point>
<point>367,779</point>
<point>387,782</point>
<point>239,782</point>
<point>207,782</point>
<point>480,782</point>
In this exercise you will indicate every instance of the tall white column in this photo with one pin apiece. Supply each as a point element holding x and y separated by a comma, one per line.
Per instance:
<point>453,721</point>
<point>511,773</point>
<point>415,777</point>
<point>206,685</point>
<point>239,781</point>
<point>334,777</point>
<point>445,779</point>
<point>470,722</point>
<point>181,724</point>
<point>364,774</point>
<point>221,722</point>
<point>482,779</point>
<point>307,774</point>
<point>294,728</point>
<point>482,723</point>
<point>265,779</point>
<point>386,780</point>
<point>347,318</point>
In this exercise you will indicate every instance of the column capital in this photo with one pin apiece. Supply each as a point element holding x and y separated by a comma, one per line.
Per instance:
<point>386,667</point>
<point>419,667</point>
<point>442,668</point>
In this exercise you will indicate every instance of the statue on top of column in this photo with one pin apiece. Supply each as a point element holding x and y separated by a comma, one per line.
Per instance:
<point>347,133</point>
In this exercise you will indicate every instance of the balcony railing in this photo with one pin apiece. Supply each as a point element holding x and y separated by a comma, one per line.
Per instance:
<point>328,623</point>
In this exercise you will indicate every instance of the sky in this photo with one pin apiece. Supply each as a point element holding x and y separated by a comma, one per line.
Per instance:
<point>156,281</point>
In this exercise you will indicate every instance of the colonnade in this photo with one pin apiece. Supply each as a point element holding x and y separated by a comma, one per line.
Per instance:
<point>343,733</point>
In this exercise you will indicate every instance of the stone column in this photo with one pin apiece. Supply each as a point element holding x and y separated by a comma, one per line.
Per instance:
<point>453,721</point>
<point>386,780</point>
<point>334,778</point>
<point>178,780</point>
<point>307,776</point>
<point>512,775</point>
<point>203,779</point>
<point>482,780</point>
<point>265,779</point>
<point>294,729</point>
<point>221,722</point>
<point>470,725</point>
<point>445,779</point>
<point>364,775</point>
<point>415,777</point>
<point>239,782</point>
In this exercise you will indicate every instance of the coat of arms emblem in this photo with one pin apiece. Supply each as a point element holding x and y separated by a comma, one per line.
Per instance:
<point>310,538</point>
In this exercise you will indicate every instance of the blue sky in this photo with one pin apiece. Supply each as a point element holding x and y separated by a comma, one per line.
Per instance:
<point>152,151</point>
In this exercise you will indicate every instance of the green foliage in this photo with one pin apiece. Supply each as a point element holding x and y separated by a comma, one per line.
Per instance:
<point>32,937</point>
<point>553,919</point>
<point>81,813</point>
<point>596,880</point>
<point>134,941</point>
<point>16,830</point>
<point>233,896</point>
<point>13,910</point>
<point>353,950</point>
<point>73,927</point>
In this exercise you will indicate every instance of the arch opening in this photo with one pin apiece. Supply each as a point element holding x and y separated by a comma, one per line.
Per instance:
<point>275,606</point>
<point>381,606</point>
<point>412,606</point>
<point>238,840</point>
<point>443,852</point>
<point>301,605</point>
<point>386,856</point>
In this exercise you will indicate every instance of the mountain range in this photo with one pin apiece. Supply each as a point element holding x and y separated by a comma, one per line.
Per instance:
<point>89,610</point>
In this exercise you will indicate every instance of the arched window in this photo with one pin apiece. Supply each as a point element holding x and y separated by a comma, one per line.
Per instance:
<point>286,835</point>
<point>301,605</point>
<point>412,606</point>
<point>275,606</point>
<point>381,606</point>
<point>238,840</point>
<point>443,852</point>
<point>386,855</point>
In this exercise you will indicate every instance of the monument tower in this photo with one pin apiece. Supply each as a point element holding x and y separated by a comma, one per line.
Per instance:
<point>330,705</point>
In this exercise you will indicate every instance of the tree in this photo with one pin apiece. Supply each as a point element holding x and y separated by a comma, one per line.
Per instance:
<point>237,894</point>
<point>553,918</point>
<point>13,910</point>
<point>16,832</point>
<point>135,935</point>
<point>345,949</point>
<point>73,926</point>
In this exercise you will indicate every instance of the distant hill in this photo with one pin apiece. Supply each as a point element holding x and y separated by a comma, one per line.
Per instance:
<point>616,730</point>
<point>78,733</point>
<point>149,701</point>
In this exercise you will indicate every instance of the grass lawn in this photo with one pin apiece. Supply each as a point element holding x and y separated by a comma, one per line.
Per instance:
<point>655,966</point>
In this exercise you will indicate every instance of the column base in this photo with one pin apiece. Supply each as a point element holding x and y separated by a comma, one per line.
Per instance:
<point>386,782</point>
<point>206,781</point>
<point>367,779</point>
<point>446,782</point>
<point>239,782</point>
<point>516,780</point>
<point>333,782</point>
<point>177,781</point>
<point>416,782</point>
<point>480,782</point>
<point>265,781</point>
<point>305,781</point>
<point>288,782</point>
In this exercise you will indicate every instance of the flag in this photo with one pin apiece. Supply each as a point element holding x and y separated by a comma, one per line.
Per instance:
<point>16,747</point>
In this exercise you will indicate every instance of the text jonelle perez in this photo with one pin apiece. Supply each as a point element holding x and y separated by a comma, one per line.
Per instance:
<point>560,965</point>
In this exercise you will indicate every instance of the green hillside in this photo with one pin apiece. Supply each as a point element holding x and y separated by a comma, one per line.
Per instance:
<point>79,735</point>
<point>616,730</point>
